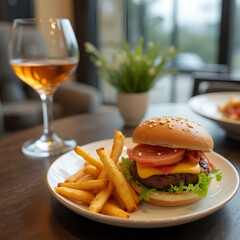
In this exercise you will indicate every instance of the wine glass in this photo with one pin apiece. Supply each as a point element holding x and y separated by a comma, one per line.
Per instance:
<point>43,53</point>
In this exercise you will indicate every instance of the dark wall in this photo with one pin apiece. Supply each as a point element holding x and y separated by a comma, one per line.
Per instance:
<point>12,9</point>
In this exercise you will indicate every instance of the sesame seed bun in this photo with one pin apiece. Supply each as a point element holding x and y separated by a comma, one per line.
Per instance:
<point>173,132</point>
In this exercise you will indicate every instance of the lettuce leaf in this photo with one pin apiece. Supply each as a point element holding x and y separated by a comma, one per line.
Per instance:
<point>126,164</point>
<point>215,174</point>
<point>201,188</point>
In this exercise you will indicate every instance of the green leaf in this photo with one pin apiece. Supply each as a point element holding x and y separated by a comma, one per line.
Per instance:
<point>144,194</point>
<point>126,164</point>
<point>129,70</point>
<point>201,188</point>
<point>215,174</point>
<point>138,49</point>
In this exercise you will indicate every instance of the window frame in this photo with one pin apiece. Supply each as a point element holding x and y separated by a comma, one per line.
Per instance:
<point>86,15</point>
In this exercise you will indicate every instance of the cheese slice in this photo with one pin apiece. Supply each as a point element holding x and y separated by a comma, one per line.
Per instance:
<point>185,167</point>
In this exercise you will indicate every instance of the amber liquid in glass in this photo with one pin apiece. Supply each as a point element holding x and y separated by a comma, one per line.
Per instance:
<point>44,75</point>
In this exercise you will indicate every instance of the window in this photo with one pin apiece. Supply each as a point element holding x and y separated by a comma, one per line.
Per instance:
<point>194,27</point>
<point>236,40</point>
<point>110,20</point>
<point>199,28</point>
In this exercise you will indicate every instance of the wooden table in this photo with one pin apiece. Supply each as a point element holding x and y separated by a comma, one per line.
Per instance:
<point>29,211</point>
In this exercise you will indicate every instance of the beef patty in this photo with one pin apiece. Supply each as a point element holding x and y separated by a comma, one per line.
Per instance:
<point>164,181</point>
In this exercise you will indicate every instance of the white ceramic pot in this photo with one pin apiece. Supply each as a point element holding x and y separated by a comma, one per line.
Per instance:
<point>133,107</point>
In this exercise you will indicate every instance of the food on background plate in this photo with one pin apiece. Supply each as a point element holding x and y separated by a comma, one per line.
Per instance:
<point>231,110</point>
<point>167,166</point>
<point>100,184</point>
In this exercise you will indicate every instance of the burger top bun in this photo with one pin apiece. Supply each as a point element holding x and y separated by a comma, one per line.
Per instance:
<point>173,132</point>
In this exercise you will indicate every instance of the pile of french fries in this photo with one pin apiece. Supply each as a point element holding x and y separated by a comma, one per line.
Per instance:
<point>101,183</point>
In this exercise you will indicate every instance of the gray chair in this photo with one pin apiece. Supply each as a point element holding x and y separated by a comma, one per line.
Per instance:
<point>21,105</point>
<point>214,82</point>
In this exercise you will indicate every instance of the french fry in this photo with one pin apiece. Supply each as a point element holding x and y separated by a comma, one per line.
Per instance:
<point>117,147</point>
<point>88,185</point>
<point>120,168</point>
<point>89,158</point>
<point>116,151</point>
<point>118,180</point>
<point>75,176</point>
<point>74,194</point>
<point>101,183</point>
<point>85,178</point>
<point>112,210</point>
<point>119,200</point>
<point>91,170</point>
<point>134,195</point>
<point>100,199</point>
<point>103,174</point>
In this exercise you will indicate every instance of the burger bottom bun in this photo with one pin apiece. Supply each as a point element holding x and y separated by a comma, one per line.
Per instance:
<point>164,199</point>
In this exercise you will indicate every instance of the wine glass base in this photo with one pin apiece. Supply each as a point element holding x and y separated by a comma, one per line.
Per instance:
<point>41,148</point>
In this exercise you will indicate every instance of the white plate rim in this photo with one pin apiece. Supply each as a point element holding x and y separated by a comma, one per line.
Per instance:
<point>193,100</point>
<point>133,223</point>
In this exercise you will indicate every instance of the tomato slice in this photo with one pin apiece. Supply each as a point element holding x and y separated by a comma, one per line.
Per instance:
<point>192,156</point>
<point>153,156</point>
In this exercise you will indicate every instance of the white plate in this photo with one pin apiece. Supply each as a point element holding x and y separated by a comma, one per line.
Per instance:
<point>147,215</point>
<point>206,105</point>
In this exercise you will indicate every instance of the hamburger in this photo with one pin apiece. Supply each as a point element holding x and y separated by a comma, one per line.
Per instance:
<point>167,166</point>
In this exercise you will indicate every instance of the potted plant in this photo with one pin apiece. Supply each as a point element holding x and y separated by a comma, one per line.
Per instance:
<point>133,72</point>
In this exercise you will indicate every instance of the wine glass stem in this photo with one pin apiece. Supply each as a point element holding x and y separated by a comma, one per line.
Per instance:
<point>47,107</point>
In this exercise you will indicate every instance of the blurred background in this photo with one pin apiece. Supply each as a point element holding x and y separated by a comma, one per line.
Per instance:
<point>205,33</point>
